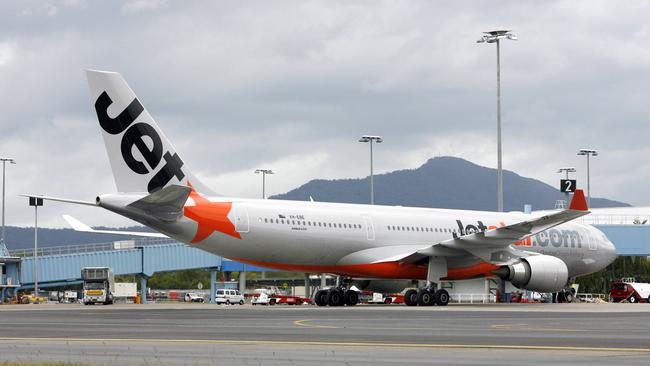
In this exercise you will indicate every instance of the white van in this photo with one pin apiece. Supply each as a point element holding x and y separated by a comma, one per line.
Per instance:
<point>229,297</point>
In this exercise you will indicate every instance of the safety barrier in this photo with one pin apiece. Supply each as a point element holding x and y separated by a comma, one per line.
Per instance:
<point>614,219</point>
<point>473,298</point>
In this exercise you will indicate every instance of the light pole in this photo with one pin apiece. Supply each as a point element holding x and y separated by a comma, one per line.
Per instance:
<point>371,139</point>
<point>264,172</point>
<point>35,201</point>
<point>495,37</point>
<point>4,162</point>
<point>588,153</point>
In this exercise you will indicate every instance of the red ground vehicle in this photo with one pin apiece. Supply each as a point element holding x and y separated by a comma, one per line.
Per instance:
<point>265,299</point>
<point>630,290</point>
<point>379,298</point>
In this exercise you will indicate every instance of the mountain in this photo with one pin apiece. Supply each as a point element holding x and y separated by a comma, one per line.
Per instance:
<point>443,182</point>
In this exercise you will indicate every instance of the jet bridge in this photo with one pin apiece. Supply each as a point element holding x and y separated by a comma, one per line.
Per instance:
<point>60,266</point>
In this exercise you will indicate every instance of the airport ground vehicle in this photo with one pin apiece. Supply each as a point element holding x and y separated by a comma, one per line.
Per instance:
<point>537,252</point>
<point>193,297</point>
<point>380,298</point>
<point>265,298</point>
<point>228,297</point>
<point>630,290</point>
<point>98,285</point>
<point>31,299</point>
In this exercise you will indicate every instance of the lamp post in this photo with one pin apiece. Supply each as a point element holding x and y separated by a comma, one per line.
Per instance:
<point>495,37</point>
<point>371,139</point>
<point>588,153</point>
<point>35,201</point>
<point>264,172</point>
<point>4,162</point>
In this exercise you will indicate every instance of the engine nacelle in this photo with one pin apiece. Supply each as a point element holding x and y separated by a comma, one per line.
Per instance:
<point>540,273</point>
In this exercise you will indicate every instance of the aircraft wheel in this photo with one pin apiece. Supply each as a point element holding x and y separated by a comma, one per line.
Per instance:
<point>442,298</point>
<point>426,297</point>
<point>411,297</point>
<point>561,297</point>
<point>335,297</point>
<point>321,298</point>
<point>351,297</point>
<point>568,296</point>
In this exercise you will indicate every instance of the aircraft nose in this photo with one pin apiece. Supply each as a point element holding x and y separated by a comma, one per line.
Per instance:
<point>610,251</point>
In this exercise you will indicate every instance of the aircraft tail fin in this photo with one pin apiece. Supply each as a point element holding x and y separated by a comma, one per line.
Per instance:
<point>141,156</point>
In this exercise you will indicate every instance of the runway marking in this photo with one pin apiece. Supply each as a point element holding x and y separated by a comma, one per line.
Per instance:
<point>325,343</point>
<point>302,323</point>
<point>527,327</point>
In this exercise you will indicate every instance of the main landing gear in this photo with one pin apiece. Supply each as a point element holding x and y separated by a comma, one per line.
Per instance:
<point>337,296</point>
<point>430,294</point>
<point>427,296</point>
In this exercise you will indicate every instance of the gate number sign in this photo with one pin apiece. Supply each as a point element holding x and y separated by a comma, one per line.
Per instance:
<point>567,185</point>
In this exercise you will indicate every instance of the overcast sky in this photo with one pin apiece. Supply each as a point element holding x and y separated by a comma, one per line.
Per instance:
<point>290,85</point>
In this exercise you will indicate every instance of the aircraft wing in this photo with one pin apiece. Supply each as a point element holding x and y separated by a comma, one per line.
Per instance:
<point>493,246</point>
<point>507,235</point>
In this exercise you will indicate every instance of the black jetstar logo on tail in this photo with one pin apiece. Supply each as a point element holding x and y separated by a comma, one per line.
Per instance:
<point>133,137</point>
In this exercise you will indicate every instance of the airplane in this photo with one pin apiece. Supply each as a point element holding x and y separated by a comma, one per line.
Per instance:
<point>541,253</point>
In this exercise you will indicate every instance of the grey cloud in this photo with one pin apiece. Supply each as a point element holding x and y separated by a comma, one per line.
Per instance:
<point>237,85</point>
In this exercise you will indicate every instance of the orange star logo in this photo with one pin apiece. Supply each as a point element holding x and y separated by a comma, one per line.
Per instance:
<point>211,217</point>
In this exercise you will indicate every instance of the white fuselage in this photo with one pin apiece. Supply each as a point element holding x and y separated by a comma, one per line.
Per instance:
<point>314,235</point>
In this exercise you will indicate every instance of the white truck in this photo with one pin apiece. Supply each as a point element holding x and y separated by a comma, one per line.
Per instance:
<point>98,285</point>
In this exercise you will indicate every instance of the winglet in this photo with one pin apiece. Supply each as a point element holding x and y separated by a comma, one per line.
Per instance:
<point>578,202</point>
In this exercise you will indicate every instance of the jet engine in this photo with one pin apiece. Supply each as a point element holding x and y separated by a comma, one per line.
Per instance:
<point>541,273</point>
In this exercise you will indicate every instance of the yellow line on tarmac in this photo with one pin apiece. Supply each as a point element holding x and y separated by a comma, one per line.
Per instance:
<point>302,323</point>
<point>326,343</point>
<point>526,327</point>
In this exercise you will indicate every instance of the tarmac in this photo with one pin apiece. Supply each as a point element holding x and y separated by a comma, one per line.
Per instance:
<point>202,334</point>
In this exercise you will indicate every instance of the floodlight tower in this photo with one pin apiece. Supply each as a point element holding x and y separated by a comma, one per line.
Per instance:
<point>264,172</point>
<point>567,170</point>
<point>588,153</point>
<point>371,139</point>
<point>495,37</point>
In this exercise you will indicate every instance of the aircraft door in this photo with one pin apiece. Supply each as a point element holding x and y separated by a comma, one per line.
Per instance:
<point>241,217</point>
<point>370,229</point>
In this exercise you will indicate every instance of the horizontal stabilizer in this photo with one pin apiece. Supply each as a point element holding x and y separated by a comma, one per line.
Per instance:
<point>57,199</point>
<point>166,204</point>
<point>81,227</point>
